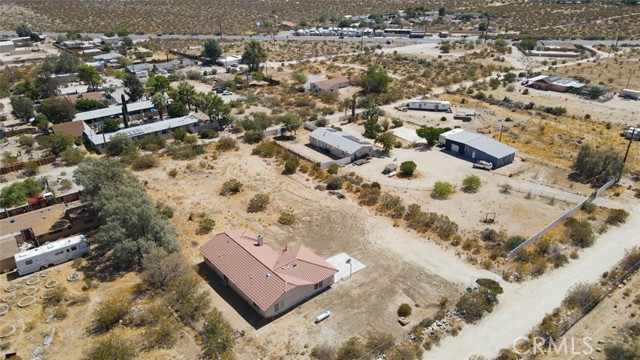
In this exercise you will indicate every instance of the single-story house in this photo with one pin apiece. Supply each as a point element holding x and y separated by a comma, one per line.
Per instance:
<point>173,65</point>
<point>9,246</point>
<point>96,64</point>
<point>110,40</point>
<point>477,147</point>
<point>107,57</point>
<point>543,45</point>
<point>554,83</point>
<point>7,46</point>
<point>231,60</point>
<point>72,44</point>
<point>61,79</point>
<point>91,51</point>
<point>430,105</point>
<point>164,129</point>
<point>270,282</point>
<point>331,85</point>
<point>136,110</point>
<point>140,70</point>
<point>88,96</point>
<point>340,144</point>
<point>50,223</point>
<point>73,128</point>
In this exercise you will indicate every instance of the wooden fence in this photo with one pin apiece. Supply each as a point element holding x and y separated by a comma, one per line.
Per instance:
<point>63,199</point>
<point>19,166</point>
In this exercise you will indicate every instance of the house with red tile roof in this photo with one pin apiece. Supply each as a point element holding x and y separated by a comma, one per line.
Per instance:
<point>270,282</point>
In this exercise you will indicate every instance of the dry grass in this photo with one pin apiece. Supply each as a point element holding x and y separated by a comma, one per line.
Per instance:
<point>614,72</point>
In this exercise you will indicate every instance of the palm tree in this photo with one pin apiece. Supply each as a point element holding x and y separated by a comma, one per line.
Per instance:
<point>159,102</point>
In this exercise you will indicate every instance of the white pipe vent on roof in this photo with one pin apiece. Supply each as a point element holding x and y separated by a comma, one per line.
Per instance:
<point>260,239</point>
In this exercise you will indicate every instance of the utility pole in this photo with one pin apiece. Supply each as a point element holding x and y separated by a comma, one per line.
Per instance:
<point>626,154</point>
<point>500,138</point>
<point>629,80</point>
<point>486,31</point>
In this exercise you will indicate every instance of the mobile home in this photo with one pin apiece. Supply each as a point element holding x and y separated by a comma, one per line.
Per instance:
<point>430,105</point>
<point>51,254</point>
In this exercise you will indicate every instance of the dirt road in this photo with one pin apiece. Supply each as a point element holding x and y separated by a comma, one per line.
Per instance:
<point>523,306</point>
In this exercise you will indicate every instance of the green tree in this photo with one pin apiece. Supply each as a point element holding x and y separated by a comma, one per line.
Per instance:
<point>22,108</point>
<point>513,242</point>
<point>254,54</point>
<point>121,145</point>
<point>177,109</point>
<point>483,26</point>
<point>185,94</point>
<point>127,42</point>
<point>187,300</point>
<point>57,143</point>
<point>83,105</point>
<point>445,47</point>
<point>292,123</point>
<point>90,76</point>
<point>471,184</point>
<point>212,50</point>
<point>58,110</point>
<point>598,164</point>
<point>407,168</point>
<point>23,30</point>
<point>19,192</point>
<point>431,134</point>
<point>404,310</point>
<point>134,88</point>
<point>218,335</point>
<point>374,81</point>
<point>158,84</point>
<point>387,140</point>
<point>215,108</point>
<point>528,44</point>
<point>290,166</point>
<point>442,11</point>
<point>110,125</point>
<point>72,156</point>
<point>41,122</point>
<point>159,102</point>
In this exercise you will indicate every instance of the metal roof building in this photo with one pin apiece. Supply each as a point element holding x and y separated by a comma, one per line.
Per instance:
<point>113,111</point>
<point>340,144</point>
<point>478,147</point>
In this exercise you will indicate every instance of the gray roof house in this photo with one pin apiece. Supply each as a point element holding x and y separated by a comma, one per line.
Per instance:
<point>162,128</point>
<point>340,144</point>
<point>114,111</point>
<point>477,147</point>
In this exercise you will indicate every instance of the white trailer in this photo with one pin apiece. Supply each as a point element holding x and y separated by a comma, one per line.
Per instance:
<point>430,105</point>
<point>632,94</point>
<point>51,254</point>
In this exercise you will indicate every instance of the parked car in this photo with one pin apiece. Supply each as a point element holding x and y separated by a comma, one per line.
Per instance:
<point>227,92</point>
<point>242,98</point>
<point>483,165</point>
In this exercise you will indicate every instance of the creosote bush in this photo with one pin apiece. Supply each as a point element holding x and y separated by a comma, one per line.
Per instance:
<point>404,310</point>
<point>287,218</point>
<point>258,203</point>
<point>441,190</point>
<point>231,187</point>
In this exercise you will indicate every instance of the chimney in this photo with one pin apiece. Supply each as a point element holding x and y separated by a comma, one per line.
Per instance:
<point>260,239</point>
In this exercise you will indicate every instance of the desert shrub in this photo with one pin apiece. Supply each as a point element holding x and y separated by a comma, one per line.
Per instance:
<point>55,297</point>
<point>231,187</point>
<point>179,134</point>
<point>186,300</point>
<point>335,183</point>
<point>333,169</point>
<point>30,168</point>
<point>26,141</point>
<point>108,313</point>
<point>505,188</point>
<point>473,305</point>
<point>161,268</point>
<point>631,261</point>
<point>582,297</point>
<point>267,149</point>
<point>323,352</point>
<point>173,173</point>
<point>153,143</point>
<point>208,134</point>
<point>226,143</point>
<point>617,217</point>
<point>162,335</point>
<point>589,207</point>
<point>407,168</point>
<point>218,335</point>
<point>489,235</point>
<point>253,136</point>
<point>351,349</point>
<point>379,342</point>
<point>291,165</point>
<point>72,156</point>
<point>619,351</point>
<point>513,242</point>
<point>593,163</point>
<point>165,210</point>
<point>441,190</point>
<point>471,184</point>
<point>287,218</point>
<point>580,232</point>
<point>258,203</point>
<point>65,184</point>
<point>144,162</point>
<point>205,226</point>
<point>112,347</point>
<point>404,310</point>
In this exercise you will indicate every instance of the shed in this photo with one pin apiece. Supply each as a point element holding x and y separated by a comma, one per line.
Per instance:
<point>477,147</point>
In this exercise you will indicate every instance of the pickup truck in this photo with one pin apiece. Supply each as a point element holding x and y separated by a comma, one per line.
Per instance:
<point>480,164</point>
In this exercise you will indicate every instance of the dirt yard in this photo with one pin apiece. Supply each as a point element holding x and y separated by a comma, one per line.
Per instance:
<point>401,267</point>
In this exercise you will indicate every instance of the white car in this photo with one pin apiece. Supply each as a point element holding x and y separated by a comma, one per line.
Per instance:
<point>227,92</point>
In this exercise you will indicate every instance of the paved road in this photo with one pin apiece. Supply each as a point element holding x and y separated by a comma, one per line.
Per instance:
<point>523,306</point>
<point>290,36</point>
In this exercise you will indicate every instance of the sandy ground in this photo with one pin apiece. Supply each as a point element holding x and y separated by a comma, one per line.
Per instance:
<point>603,323</point>
<point>530,301</point>
<point>401,266</point>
